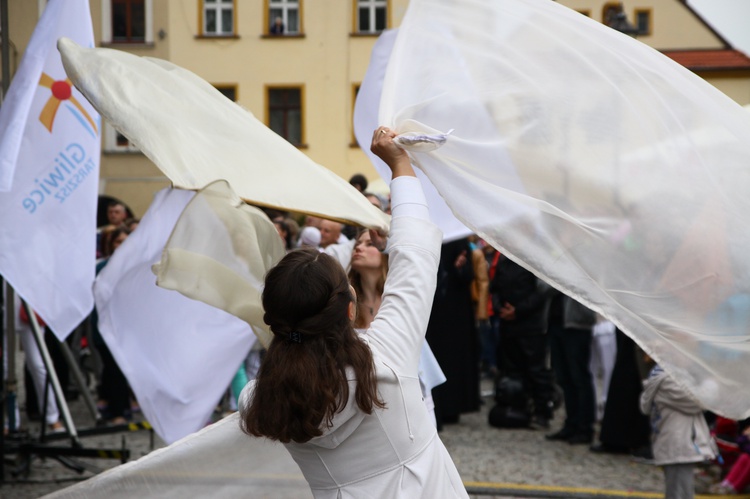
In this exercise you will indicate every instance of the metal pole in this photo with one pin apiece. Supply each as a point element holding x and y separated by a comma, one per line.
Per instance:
<point>62,405</point>
<point>6,45</point>
<point>5,53</point>
<point>78,377</point>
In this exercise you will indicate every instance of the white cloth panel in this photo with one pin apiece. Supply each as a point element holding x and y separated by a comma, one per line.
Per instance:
<point>366,120</point>
<point>218,461</point>
<point>219,253</point>
<point>179,355</point>
<point>195,135</point>
<point>596,162</point>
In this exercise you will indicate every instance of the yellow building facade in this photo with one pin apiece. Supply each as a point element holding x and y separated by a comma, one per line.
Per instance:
<point>297,64</point>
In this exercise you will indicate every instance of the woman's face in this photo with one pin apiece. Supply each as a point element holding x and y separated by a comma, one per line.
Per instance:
<point>365,256</point>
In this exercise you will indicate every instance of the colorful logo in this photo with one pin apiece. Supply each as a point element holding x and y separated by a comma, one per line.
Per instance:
<point>62,90</point>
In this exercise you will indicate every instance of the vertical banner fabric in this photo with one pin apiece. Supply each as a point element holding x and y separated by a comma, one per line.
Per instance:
<point>366,120</point>
<point>596,162</point>
<point>179,355</point>
<point>49,170</point>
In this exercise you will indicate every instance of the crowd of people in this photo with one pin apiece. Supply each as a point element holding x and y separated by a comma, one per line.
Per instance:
<point>490,318</point>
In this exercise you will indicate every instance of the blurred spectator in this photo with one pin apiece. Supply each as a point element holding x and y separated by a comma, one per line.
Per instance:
<point>359,182</point>
<point>522,300</point>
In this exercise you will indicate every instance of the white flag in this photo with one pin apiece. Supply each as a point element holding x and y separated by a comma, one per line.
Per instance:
<point>366,120</point>
<point>178,354</point>
<point>599,164</point>
<point>50,138</point>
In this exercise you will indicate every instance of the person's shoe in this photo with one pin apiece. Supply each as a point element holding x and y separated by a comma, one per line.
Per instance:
<point>539,423</point>
<point>722,489</point>
<point>608,449</point>
<point>580,438</point>
<point>56,427</point>
<point>563,434</point>
<point>643,455</point>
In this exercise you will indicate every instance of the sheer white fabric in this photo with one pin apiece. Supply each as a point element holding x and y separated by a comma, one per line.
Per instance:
<point>178,355</point>
<point>218,461</point>
<point>195,135</point>
<point>596,162</point>
<point>219,252</point>
<point>366,120</point>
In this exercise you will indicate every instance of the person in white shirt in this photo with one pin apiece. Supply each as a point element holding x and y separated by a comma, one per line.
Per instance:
<point>349,407</point>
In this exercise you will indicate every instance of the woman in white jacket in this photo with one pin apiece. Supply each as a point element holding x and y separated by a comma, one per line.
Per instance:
<point>349,408</point>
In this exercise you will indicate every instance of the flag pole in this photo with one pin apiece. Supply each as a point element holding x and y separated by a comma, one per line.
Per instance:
<point>5,52</point>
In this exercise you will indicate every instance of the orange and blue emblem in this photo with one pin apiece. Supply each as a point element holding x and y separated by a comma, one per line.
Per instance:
<point>62,91</point>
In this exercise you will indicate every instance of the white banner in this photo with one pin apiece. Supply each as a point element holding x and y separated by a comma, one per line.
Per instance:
<point>49,170</point>
<point>178,354</point>
<point>596,162</point>
<point>366,120</point>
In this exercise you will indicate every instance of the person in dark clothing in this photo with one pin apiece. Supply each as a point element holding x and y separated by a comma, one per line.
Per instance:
<point>624,428</point>
<point>522,301</point>
<point>570,332</point>
<point>451,335</point>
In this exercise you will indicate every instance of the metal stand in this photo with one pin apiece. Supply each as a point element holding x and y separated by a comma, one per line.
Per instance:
<point>24,446</point>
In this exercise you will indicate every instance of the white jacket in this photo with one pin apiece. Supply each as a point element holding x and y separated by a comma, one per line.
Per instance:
<point>679,432</point>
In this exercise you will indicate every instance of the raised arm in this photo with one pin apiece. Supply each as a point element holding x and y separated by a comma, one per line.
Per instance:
<point>414,253</point>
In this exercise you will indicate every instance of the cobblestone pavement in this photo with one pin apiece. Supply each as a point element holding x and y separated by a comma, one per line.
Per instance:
<point>492,462</point>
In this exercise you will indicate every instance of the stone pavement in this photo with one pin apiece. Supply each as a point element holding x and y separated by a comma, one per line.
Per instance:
<point>492,462</point>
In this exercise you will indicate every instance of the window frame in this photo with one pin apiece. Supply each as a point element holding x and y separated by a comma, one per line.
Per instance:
<point>356,87</point>
<point>373,6</point>
<point>202,20</point>
<point>110,141</point>
<point>267,19</point>
<point>228,86</point>
<point>649,13</point>
<point>267,108</point>
<point>107,20</point>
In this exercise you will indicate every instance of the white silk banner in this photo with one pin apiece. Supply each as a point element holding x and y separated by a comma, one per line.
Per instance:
<point>195,135</point>
<point>366,120</point>
<point>596,162</point>
<point>219,253</point>
<point>178,355</point>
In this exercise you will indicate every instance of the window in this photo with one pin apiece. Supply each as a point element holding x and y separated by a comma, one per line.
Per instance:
<point>371,16</point>
<point>285,113</point>
<point>643,21</point>
<point>284,17</point>
<point>114,141</point>
<point>218,17</point>
<point>127,21</point>
<point>229,91</point>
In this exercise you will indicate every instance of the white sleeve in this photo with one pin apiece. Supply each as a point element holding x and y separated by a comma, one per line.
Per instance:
<point>414,252</point>
<point>407,198</point>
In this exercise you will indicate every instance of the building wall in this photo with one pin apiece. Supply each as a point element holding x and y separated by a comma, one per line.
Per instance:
<point>673,25</point>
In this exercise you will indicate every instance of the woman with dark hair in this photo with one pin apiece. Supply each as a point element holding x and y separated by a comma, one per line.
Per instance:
<point>349,407</point>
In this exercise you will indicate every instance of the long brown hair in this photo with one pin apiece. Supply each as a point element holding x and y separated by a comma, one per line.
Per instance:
<point>302,380</point>
<point>355,279</point>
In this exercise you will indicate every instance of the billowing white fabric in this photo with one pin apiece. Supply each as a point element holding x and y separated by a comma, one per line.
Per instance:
<point>596,162</point>
<point>218,461</point>
<point>366,120</point>
<point>195,135</point>
<point>219,253</point>
<point>178,354</point>
<point>49,152</point>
